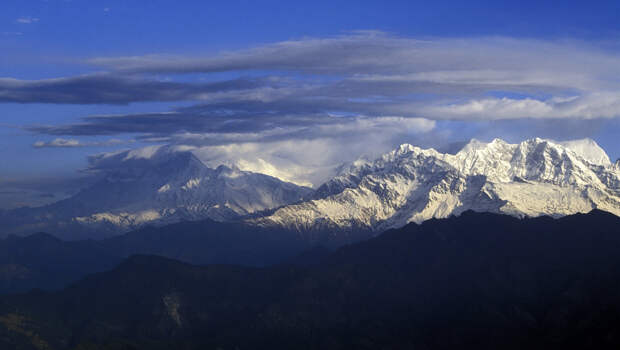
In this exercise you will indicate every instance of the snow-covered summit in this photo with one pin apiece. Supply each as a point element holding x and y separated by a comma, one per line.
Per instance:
<point>163,184</point>
<point>157,185</point>
<point>534,177</point>
<point>589,150</point>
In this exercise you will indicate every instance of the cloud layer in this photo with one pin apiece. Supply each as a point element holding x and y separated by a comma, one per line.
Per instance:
<point>369,73</point>
<point>298,108</point>
<point>112,89</point>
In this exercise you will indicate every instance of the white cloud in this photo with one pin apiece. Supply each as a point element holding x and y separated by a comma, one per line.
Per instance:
<point>27,20</point>
<point>482,60</point>
<point>70,143</point>
<point>294,174</point>
<point>59,142</point>
<point>589,106</point>
<point>283,153</point>
<point>310,160</point>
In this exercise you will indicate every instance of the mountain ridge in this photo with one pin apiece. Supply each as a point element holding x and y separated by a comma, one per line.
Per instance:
<point>159,187</point>
<point>479,280</point>
<point>43,261</point>
<point>161,184</point>
<point>535,177</point>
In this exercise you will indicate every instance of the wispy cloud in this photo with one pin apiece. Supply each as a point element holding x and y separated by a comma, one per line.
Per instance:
<point>27,20</point>
<point>112,89</point>
<point>71,143</point>
<point>364,72</point>
<point>589,106</point>
<point>486,61</point>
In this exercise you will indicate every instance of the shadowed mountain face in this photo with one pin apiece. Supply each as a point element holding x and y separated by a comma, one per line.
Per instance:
<point>481,280</point>
<point>43,261</point>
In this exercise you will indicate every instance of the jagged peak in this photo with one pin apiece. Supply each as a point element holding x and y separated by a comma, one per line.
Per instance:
<point>476,145</point>
<point>538,145</point>
<point>586,149</point>
<point>536,141</point>
<point>406,148</point>
<point>589,150</point>
<point>408,184</point>
<point>473,144</point>
<point>500,160</point>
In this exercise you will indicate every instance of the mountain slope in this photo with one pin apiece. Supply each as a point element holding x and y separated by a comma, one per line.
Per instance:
<point>480,281</point>
<point>163,186</point>
<point>535,177</point>
<point>46,262</point>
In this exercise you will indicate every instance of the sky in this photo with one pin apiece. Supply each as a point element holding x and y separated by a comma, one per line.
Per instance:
<point>292,89</point>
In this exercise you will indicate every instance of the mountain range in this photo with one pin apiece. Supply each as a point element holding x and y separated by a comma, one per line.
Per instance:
<point>157,187</point>
<point>43,261</point>
<point>533,178</point>
<point>479,281</point>
<point>161,185</point>
<point>483,248</point>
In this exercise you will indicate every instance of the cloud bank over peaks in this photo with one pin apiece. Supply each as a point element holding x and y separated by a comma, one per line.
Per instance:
<point>298,109</point>
<point>303,154</point>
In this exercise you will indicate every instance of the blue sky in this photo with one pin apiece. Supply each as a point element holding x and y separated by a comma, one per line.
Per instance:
<point>244,82</point>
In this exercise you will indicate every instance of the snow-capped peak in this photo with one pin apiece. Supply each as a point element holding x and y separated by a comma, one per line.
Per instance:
<point>534,177</point>
<point>476,145</point>
<point>589,150</point>
<point>157,186</point>
<point>405,148</point>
